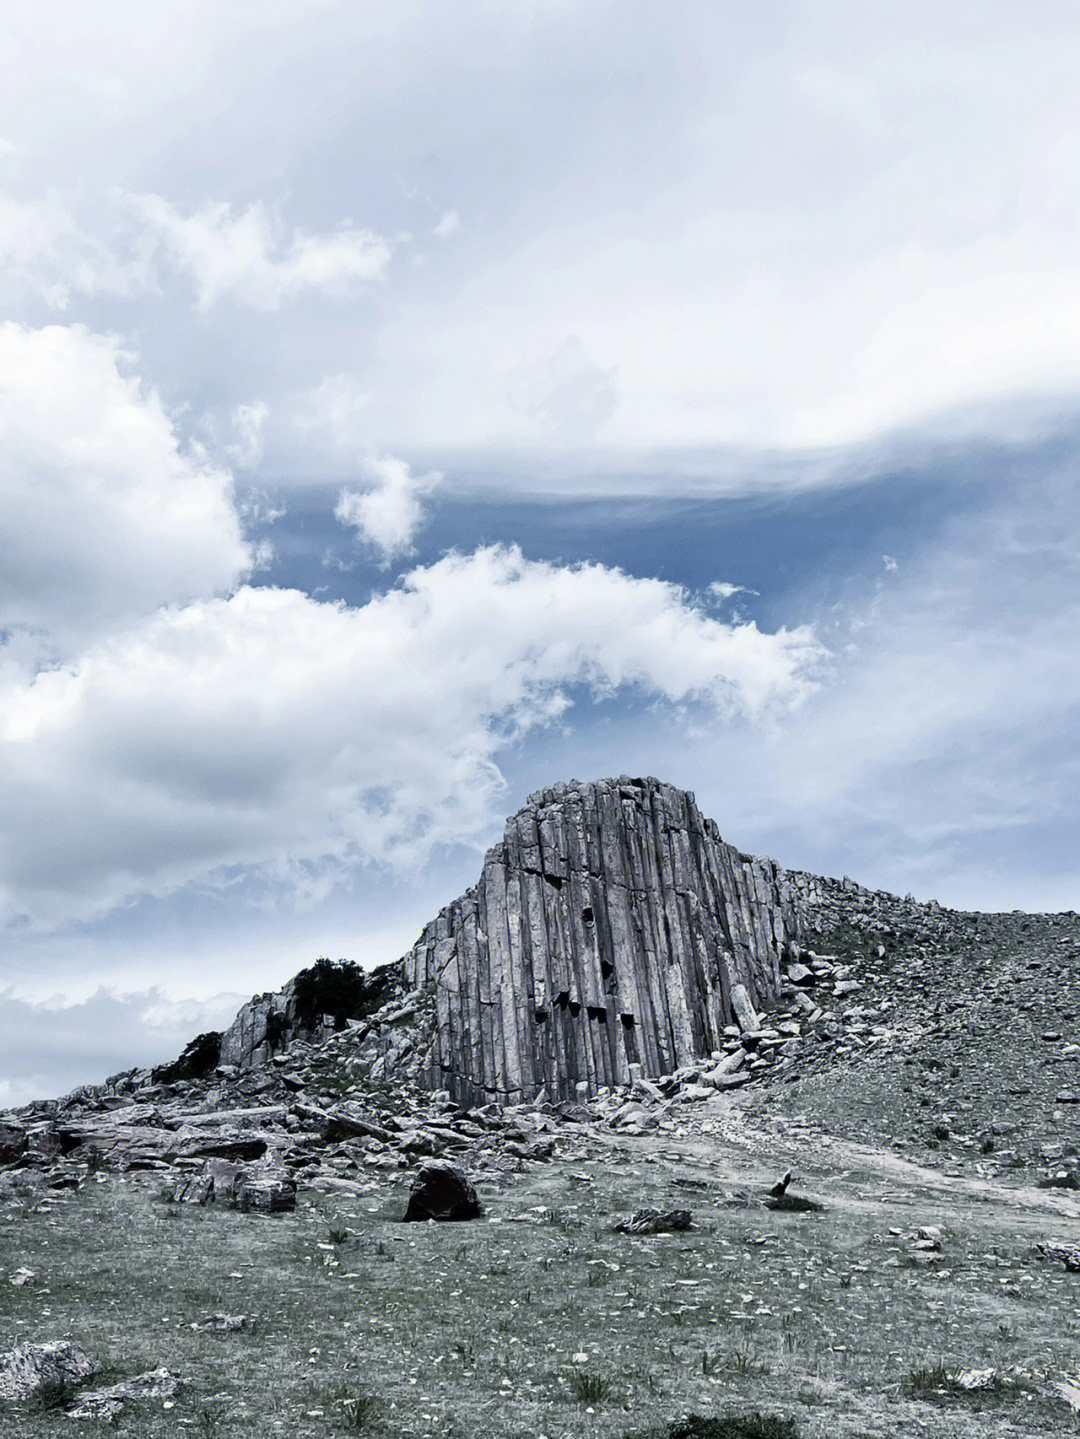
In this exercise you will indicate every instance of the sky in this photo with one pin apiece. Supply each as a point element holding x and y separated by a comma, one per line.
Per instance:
<point>405,407</point>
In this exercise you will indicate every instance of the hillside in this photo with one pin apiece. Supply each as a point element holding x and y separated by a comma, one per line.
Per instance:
<point>915,1067</point>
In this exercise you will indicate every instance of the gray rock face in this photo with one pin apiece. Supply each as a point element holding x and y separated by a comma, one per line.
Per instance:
<point>262,1027</point>
<point>611,927</point>
<point>42,1372</point>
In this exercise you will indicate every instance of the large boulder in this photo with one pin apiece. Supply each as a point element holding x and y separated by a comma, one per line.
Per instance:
<point>42,1373</point>
<point>440,1191</point>
<point>12,1141</point>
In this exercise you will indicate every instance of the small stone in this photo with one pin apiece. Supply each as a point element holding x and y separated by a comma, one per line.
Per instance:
<point>23,1277</point>
<point>655,1221</point>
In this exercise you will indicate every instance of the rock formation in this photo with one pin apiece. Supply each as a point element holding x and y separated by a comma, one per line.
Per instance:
<point>611,928</point>
<point>268,1023</point>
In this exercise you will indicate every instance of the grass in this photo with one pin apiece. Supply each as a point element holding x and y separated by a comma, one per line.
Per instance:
<point>799,1325</point>
<point>725,1426</point>
<point>588,1387</point>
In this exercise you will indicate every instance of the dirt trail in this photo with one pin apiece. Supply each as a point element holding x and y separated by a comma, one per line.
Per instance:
<point>725,1146</point>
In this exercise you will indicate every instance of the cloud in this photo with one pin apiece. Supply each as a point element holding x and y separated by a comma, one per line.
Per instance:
<point>103,513</point>
<point>45,250</point>
<point>248,258</point>
<point>274,733</point>
<point>333,409</point>
<point>450,222</point>
<point>388,515</point>
<point>50,1047</point>
<point>566,395</point>
<point>248,421</point>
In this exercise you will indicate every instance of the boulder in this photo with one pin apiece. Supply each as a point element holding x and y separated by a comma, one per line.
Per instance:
<point>42,1373</point>
<point>12,1142</point>
<point>105,1404</point>
<point>441,1191</point>
<point>269,1191</point>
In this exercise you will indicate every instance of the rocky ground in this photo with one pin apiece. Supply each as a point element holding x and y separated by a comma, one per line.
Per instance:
<point>953,1037</point>
<point>937,1050</point>
<point>879,1298</point>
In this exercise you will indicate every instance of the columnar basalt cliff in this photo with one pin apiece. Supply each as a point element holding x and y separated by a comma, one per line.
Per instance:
<point>611,927</point>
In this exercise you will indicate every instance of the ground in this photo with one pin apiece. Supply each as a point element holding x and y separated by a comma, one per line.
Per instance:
<point>539,1320</point>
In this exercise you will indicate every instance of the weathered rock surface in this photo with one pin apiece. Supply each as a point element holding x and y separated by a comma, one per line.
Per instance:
<point>611,927</point>
<point>39,1373</point>
<point>442,1192</point>
<point>655,1221</point>
<point>267,1024</point>
<point>106,1404</point>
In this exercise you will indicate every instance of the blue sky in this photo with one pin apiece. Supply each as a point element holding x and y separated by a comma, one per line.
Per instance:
<point>403,408</point>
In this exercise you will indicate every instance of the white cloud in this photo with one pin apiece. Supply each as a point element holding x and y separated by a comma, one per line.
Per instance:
<point>388,515</point>
<point>566,396</point>
<point>50,1047</point>
<point>333,409</point>
<point>247,256</point>
<point>103,514</point>
<point>45,250</point>
<point>273,732</point>
<point>450,222</point>
<point>248,421</point>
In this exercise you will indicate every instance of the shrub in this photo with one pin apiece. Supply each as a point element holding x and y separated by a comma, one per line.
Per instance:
<point>197,1060</point>
<point>341,989</point>
<point>589,1388</point>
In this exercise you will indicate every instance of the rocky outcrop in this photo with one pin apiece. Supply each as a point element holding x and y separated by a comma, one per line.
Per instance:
<point>267,1024</point>
<point>612,933</point>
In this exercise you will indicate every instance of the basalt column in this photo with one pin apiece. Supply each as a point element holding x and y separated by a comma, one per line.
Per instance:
<point>610,927</point>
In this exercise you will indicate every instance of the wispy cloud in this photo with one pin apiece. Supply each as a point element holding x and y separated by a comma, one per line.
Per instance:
<point>249,257</point>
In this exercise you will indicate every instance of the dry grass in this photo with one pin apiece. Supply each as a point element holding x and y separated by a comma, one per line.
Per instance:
<point>499,1329</point>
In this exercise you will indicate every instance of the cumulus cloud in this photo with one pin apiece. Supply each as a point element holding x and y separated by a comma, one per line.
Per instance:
<point>103,513</point>
<point>269,731</point>
<point>247,256</point>
<point>388,515</point>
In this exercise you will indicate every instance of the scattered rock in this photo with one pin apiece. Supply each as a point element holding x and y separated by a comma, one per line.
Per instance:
<point>221,1324</point>
<point>107,1403</point>
<point>655,1221</point>
<point>22,1277</point>
<point>1068,1254</point>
